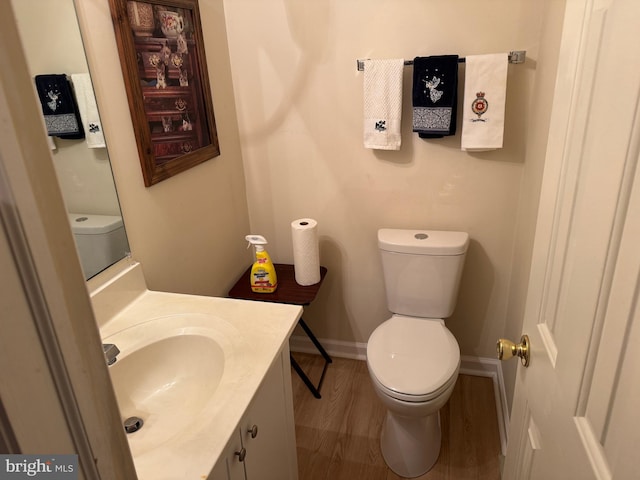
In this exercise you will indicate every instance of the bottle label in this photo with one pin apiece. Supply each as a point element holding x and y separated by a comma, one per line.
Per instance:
<point>262,281</point>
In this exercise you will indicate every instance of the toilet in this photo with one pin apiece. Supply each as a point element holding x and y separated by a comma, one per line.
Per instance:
<point>100,239</point>
<point>413,359</point>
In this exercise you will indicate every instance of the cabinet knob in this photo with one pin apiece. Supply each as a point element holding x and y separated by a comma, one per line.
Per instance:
<point>242,454</point>
<point>253,431</point>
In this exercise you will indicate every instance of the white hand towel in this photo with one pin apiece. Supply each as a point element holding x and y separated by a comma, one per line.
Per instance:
<point>382,87</point>
<point>88,110</point>
<point>485,92</point>
<point>51,143</point>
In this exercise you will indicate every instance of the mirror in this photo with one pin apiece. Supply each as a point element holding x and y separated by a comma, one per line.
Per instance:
<point>52,44</point>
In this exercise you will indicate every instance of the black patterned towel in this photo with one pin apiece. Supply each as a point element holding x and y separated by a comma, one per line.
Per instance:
<point>59,106</point>
<point>435,95</point>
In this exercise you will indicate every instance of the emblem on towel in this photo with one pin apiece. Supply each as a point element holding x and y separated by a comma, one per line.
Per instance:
<point>434,94</point>
<point>381,125</point>
<point>479,106</point>
<point>55,101</point>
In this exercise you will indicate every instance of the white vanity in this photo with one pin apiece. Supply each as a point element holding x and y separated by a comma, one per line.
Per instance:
<point>209,378</point>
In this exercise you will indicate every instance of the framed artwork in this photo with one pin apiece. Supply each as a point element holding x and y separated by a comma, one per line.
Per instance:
<point>165,73</point>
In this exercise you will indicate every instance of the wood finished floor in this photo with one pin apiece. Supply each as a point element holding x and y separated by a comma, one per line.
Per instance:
<point>338,435</point>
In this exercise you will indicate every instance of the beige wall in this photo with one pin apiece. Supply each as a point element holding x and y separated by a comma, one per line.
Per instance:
<point>299,101</point>
<point>187,231</point>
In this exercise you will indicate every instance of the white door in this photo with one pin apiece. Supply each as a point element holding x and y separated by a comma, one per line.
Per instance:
<point>575,407</point>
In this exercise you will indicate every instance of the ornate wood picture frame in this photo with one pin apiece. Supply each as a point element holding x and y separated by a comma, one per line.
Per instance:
<point>164,67</point>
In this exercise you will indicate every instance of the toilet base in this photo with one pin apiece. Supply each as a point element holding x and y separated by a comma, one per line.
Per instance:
<point>410,446</point>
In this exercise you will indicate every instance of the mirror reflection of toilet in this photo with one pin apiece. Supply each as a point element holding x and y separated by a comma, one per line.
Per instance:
<point>413,359</point>
<point>100,239</point>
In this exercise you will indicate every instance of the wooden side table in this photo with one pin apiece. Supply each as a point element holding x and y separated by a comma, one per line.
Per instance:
<point>288,291</point>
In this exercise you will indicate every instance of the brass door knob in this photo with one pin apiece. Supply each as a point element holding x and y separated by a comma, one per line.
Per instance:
<point>507,349</point>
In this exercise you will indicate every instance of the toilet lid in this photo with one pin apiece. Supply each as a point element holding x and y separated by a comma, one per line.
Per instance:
<point>413,356</point>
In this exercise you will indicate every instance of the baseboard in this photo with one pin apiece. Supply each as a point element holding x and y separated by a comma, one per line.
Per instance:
<point>335,348</point>
<point>469,365</point>
<point>491,367</point>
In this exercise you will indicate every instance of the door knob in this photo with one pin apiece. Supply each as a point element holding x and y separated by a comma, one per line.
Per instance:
<point>507,349</point>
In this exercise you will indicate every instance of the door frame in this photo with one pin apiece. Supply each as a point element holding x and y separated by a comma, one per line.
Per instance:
<point>57,396</point>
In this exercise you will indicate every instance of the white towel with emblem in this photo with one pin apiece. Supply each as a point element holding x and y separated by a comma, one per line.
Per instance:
<point>88,110</point>
<point>485,92</point>
<point>382,86</point>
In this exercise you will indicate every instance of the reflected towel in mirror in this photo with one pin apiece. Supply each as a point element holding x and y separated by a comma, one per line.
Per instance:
<point>88,109</point>
<point>59,106</point>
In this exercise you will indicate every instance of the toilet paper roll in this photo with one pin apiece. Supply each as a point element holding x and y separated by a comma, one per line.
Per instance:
<point>306,255</point>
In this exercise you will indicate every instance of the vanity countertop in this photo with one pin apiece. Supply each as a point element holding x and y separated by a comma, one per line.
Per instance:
<point>259,330</point>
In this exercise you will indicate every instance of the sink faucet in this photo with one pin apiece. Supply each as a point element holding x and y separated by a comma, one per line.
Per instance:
<point>110,352</point>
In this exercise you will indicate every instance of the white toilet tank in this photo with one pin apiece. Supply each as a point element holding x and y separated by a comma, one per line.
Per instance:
<point>422,270</point>
<point>101,240</point>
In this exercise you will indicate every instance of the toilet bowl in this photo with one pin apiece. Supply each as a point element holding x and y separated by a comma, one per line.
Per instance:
<point>413,365</point>
<point>412,358</point>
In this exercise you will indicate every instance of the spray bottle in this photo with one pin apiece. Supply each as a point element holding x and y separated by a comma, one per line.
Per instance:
<point>263,273</point>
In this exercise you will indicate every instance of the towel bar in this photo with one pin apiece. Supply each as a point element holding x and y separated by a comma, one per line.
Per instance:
<point>515,56</point>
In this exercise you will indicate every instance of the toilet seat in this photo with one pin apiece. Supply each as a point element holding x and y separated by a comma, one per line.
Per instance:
<point>413,359</point>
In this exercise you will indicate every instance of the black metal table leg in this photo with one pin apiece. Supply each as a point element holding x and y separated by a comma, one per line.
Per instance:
<point>315,390</point>
<point>315,341</point>
<point>304,377</point>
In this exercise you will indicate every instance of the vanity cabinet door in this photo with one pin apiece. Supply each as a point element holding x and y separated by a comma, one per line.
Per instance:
<point>229,466</point>
<point>265,446</point>
<point>268,431</point>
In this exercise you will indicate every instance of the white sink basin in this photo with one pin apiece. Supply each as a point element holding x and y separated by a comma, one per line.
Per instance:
<point>174,372</point>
